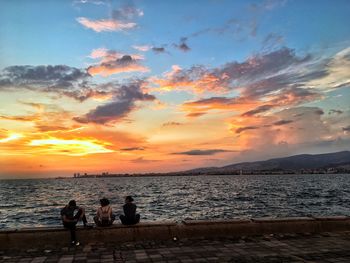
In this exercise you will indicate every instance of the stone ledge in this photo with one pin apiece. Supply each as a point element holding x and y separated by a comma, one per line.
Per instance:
<point>281,219</point>
<point>147,231</point>
<point>81,228</point>
<point>331,218</point>
<point>216,222</point>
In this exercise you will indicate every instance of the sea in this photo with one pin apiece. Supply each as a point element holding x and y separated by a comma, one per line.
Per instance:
<point>37,202</point>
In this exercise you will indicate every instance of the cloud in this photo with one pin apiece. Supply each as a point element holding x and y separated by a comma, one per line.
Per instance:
<point>202,152</point>
<point>143,48</point>
<point>264,82</point>
<point>242,129</point>
<point>133,149</point>
<point>260,109</point>
<point>57,79</point>
<point>337,68</point>
<point>105,24</point>
<point>256,76</point>
<point>58,76</point>
<point>272,41</point>
<point>171,123</point>
<point>143,160</point>
<point>120,21</point>
<point>195,114</point>
<point>333,111</point>
<point>158,50</point>
<point>60,79</point>
<point>25,118</point>
<point>126,13</point>
<point>112,62</point>
<point>122,104</point>
<point>197,79</point>
<point>183,45</point>
<point>282,122</point>
<point>95,2</point>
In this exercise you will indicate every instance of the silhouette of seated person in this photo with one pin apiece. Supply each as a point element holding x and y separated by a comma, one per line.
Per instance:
<point>130,217</point>
<point>104,215</point>
<point>70,220</point>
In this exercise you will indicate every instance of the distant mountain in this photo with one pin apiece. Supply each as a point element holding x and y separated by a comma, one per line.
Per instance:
<point>296,162</point>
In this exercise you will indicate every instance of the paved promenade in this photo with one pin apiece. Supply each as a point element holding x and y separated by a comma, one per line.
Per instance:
<point>325,247</point>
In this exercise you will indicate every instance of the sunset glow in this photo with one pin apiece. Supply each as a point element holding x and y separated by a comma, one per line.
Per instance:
<point>155,86</point>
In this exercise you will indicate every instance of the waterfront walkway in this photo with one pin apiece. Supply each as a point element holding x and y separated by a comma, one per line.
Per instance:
<point>326,247</point>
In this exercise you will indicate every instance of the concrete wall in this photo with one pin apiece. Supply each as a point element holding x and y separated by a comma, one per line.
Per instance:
<point>40,237</point>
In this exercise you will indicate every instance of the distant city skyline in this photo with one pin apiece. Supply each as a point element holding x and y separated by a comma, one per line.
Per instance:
<point>155,86</point>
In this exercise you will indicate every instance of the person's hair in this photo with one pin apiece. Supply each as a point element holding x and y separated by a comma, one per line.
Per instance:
<point>129,198</point>
<point>104,202</point>
<point>72,203</point>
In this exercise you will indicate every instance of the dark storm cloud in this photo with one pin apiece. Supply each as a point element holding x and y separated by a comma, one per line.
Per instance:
<point>202,152</point>
<point>123,103</point>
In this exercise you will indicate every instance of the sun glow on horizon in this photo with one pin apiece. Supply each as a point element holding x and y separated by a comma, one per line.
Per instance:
<point>71,147</point>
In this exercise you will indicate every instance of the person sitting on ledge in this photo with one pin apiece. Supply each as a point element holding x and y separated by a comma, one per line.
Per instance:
<point>130,217</point>
<point>70,220</point>
<point>104,216</point>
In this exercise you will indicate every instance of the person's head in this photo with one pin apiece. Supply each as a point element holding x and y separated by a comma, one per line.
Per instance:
<point>129,199</point>
<point>104,202</point>
<point>72,203</point>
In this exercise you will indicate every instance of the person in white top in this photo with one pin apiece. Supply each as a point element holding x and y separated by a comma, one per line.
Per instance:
<point>104,215</point>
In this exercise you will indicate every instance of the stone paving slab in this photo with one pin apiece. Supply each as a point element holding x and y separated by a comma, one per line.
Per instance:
<point>289,248</point>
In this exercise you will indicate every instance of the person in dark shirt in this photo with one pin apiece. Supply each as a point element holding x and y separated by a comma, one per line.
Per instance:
<point>70,220</point>
<point>130,217</point>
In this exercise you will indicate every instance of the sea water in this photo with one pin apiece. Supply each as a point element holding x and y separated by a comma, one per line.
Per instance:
<point>37,202</point>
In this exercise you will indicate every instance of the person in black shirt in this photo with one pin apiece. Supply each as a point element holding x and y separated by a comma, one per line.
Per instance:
<point>70,220</point>
<point>130,217</point>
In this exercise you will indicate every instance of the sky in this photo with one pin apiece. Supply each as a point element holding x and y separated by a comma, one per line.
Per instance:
<point>94,86</point>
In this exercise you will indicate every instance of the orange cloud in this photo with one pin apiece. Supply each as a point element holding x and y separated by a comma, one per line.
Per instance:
<point>112,62</point>
<point>109,69</point>
<point>198,80</point>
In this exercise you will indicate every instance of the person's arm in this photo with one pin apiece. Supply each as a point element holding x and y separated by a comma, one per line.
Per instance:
<point>110,211</point>
<point>99,213</point>
<point>125,210</point>
<point>65,219</point>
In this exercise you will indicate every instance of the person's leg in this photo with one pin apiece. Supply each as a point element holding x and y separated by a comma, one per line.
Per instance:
<point>137,218</point>
<point>71,227</point>
<point>81,216</point>
<point>112,219</point>
<point>72,233</point>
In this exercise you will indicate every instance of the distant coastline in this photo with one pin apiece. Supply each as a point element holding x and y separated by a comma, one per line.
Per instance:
<point>107,175</point>
<point>327,163</point>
